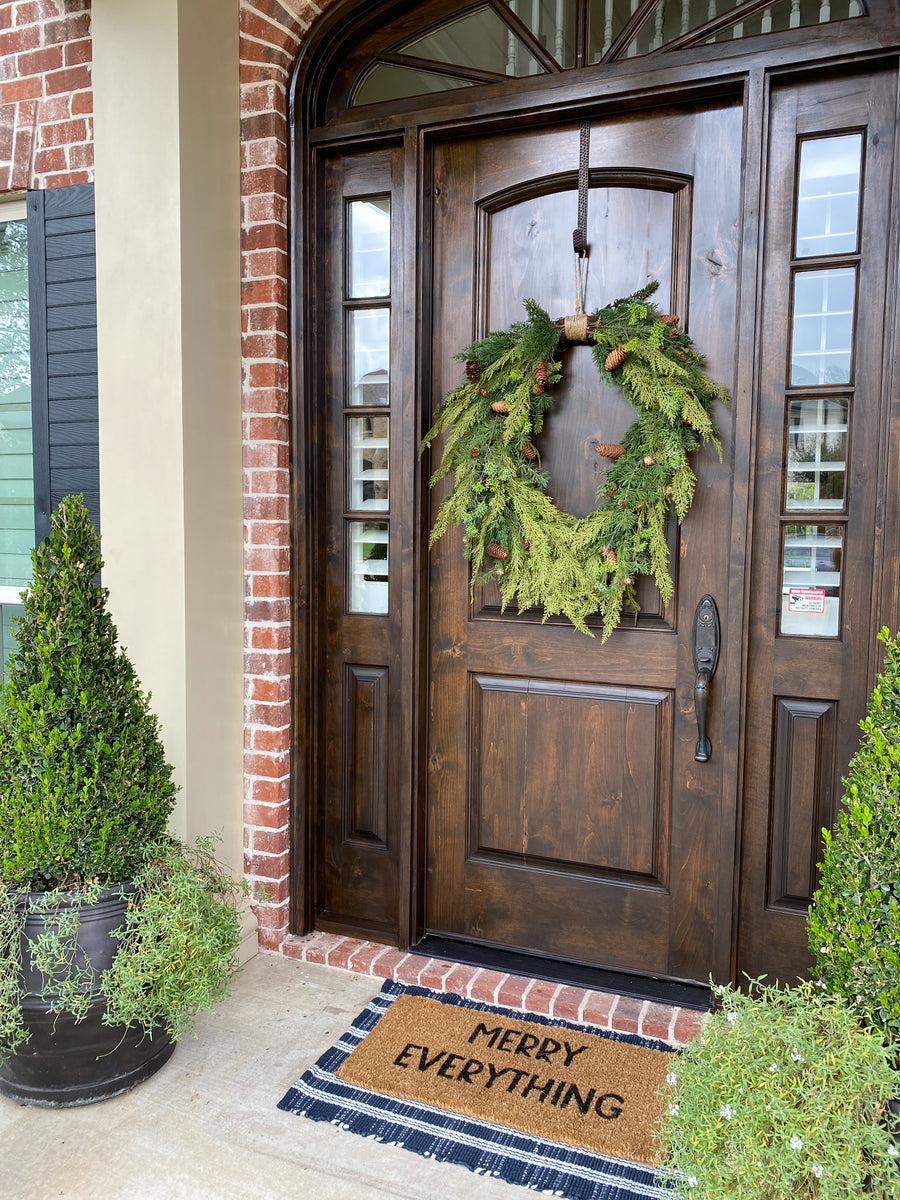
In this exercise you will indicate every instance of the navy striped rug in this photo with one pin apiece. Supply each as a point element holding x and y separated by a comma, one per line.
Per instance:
<point>551,1168</point>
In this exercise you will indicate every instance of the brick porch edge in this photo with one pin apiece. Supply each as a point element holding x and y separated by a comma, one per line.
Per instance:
<point>608,1010</point>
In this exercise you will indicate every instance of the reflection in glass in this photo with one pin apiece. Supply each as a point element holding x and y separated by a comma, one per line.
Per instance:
<point>368,469</point>
<point>369,272</point>
<point>369,341</point>
<point>480,40</point>
<point>553,23</point>
<point>16,461</point>
<point>786,14</point>
<point>811,580</point>
<point>7,638</point>
<point>828,195</point>
<point>817,453</point>
<point>368,566</point>
<point>822,326</point>
<point>384,81</point>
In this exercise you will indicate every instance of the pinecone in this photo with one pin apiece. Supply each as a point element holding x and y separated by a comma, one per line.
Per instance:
<point>528,451</point>
<point>473,370</point>
<point>500,406</point>
<point>615,358</point>
<point>668,319</point>
<point>483,392</point>
<point>495,550</point>
<point>538,390</point>
<point>681,355</point>
<point>649,460</point>
<point>474,451</point>
<point>610,450</point>
<point>609,556</point>
<point>540,372</point>
<point>673,333</point>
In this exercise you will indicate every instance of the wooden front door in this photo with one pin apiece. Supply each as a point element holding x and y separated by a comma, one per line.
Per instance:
<point>567,815</point>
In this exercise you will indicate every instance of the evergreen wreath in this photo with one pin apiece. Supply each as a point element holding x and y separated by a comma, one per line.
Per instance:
<point>514,533</point>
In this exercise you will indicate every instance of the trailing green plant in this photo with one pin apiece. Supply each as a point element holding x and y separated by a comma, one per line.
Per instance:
<point>513,531</point>
<point>84,782</point>
<point>854,920</point>
<point>12,1029</point>
<point>178,947</point>
<point>782,1097</point>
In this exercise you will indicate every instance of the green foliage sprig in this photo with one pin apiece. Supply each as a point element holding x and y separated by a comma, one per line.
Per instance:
<point>178,947</point>
<point>782,1095</point>
<point>84,782</point>
<point>514,533</point>
<point>854,921</point>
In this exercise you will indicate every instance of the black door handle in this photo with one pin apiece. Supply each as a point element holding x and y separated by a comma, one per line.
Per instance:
<point>705,644</point>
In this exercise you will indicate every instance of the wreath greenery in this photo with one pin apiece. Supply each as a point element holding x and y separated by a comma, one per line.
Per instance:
<point>514,532</point>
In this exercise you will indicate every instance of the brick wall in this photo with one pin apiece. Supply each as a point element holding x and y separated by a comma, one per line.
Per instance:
<point>271,34</point>
<point>46,140</point>
<point>46,103</point>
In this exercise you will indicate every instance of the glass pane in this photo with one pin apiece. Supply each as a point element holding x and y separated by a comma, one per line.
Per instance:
<point>671,19</point>
<point>811,580</point>
<point>369,222</point>
<point>553,23</point>
<point>817,453</point>
<point>7,640</point>
<point>369,341</point>
<point>822,327</point>
<point>788,14</point>
<point>481,40</point>
<point>16,469</point>
<point>368,566</point>
<point>383,81</point>
<point>368,469</point>
<point>607,20</point>
<point>828,195</point>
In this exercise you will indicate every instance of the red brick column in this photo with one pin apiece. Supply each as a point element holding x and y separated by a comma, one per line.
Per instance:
<point>271,34</point>
<point>46,102</point>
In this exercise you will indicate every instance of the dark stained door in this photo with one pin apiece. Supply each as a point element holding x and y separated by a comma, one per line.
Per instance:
<point>566,814</point>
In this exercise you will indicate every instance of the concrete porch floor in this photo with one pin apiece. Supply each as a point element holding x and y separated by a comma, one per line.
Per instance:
<point>206,1125</point>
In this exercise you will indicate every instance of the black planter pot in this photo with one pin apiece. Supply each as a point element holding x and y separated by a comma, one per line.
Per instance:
<point>68,1062</point>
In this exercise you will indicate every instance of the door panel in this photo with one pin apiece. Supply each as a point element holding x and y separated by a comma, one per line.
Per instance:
<point>566,813</point>
<point>822,421</point>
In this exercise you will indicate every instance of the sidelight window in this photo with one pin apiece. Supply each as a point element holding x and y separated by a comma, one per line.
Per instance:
<point>820,399</point>
<point>366,400</point>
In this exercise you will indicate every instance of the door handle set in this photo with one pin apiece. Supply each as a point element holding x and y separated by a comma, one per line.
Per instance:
<point>705,643</point>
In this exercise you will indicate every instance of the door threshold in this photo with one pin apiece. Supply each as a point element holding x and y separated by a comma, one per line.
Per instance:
<point>639,987</point>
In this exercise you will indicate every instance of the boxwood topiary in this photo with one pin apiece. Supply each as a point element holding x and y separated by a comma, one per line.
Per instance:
<point>854,921</point>
<point>84,781</point>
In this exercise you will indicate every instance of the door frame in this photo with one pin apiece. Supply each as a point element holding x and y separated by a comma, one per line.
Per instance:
<point>744,69</point>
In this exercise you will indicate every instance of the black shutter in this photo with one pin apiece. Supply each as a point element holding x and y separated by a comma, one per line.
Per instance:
<point>63,314</point>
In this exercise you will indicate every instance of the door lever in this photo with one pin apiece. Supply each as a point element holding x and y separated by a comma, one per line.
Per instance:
<point>706,658</point>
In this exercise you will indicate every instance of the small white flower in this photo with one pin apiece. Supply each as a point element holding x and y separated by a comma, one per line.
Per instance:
<point>824,949</point>
<point>726,1111</point>
<point>796,1143</point>
<point>818,1170</point>
<point>796,1055</point>
<point>671,1079</point>
<point>740,1091</point>
<point>772,1068</point>
<point>673,1110</point>
<point>769,1107</point>
<point>692,1180</point>
<point>731,1018</point>
<point>893,1151</point>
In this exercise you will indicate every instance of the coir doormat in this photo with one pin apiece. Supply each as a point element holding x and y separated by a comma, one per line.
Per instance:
<point>560,1108</point>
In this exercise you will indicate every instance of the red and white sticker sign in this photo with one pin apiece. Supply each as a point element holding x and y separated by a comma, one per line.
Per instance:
<point>806,600</point>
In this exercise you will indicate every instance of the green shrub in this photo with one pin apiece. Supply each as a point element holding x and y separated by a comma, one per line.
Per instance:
<point>782,1097</point>
<point>84,782</point>
<point>854,921</point>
